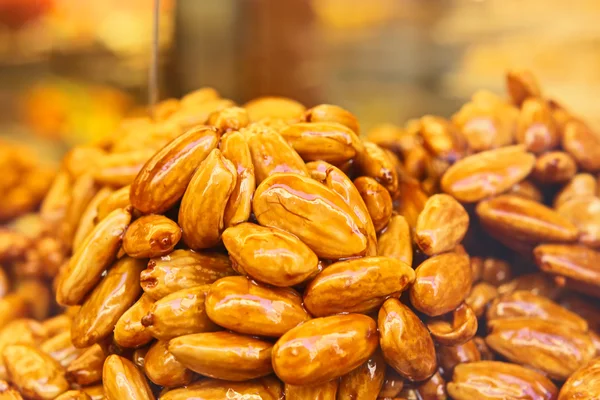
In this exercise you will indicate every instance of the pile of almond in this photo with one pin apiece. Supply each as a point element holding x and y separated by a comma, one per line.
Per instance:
<point>268,252</point>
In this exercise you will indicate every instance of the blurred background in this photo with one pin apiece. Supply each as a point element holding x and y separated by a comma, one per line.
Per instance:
<point>70,70</point>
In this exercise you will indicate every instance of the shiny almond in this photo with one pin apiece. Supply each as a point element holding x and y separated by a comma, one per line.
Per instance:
<point>487,173</point>
<point>373,279</point>
<point>129,331</point>
<point>377,199</point>
<point>395,241</point>
<point>525,220</point>
<point>203,205</point>
<point>312,212</point>
<point>151,236</point>
<point>223,355</point>
<point>323,349</point>
<point>117,291</point>
<point>441,225</point>
<point>164,178</point>
<point>405,341</point>
<point>162,368</point>
<point>122,380</point>
<point>244,306</point>
<point>269,255</point>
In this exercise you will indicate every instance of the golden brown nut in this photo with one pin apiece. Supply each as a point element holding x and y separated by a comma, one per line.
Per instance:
<point>373,280</point>
<point>162,368</point>
<point>450,356</point>
<point>554,167</point>
<point>268,388</point>
<point>164,178</point>
<point>488,380</point>
<point>480,296</point>
<point>223,355</point>
<point>203,205</point>
<point>583,383</point>
<point>183,269</point>
<point>117,291</point>
<point>86,369</point>
<point>395,241</point>
<point>229,119</point>
<point>321,391</point>
<point>405,341</point>
<point>583,144</point>
<point>129,331</point>
<point>327,225</point>
<point>235,148</point>
<point>245,306</point>
<point>576,262</point>
<point>274,107</point>
<point>441,225</point>
<point>377,199</point>
<point>487,173</point>
<point>364,382</point>
<point>556,349</point>
<point>522,84</point>
<point>525,220</point>
<point>323,349</point>
<point>179,313</point>
<point>373,161</point>
<point>122,380</point>
<point>580,186</point>
<point>459,330</point>
<point>269,255</point>
<point>536,128</point>
<point>33,372</point>
<point>442,139</point>
<point>151,236</point>
<point>442,282</point>
<point>584,212</point>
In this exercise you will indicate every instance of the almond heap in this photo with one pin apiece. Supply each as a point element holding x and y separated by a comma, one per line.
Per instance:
<point>269,252</point>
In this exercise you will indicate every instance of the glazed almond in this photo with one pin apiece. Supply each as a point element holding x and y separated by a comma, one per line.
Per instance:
<point>487,380</point>
<point>271,154</point>
<point>179,313</point>
<point>274,107</point>
<point>339,183</point>
<point>459,330</point>
<point>129,331</point>
<point>405,341</point>
<point>554,167</point>
<point>583,144</point>
<point>74,395</point>
<point>576,262</point>
<point>392,384</point>
<point>373,161</point>
<point>120,169</point>
<point>364,382</point>
<point>325,141</point>
<point>442,282</point>
<point>322,391</point>
<point>522,303</point>
<point>528,190</point>
<point>584,212</point>
<point>377,199</point>
<point>162,368</point>
<point>60,347</point>
<point>525,220</point>
<point>244,306</point>
<point>441,225</point>
<point>522,84</point>
<point>411,199</point>
<point>116,199</point>
<point>83,191</point>
<point>86,369</point>
<point>442,139</point>
<point>373,279</point>
<point>99,313</point>
<point>332,113</point>
<point>269,255</point>
<point>151,236</point>
<point>235,148</point>
<point>95,254</point>
<point>203,205</point>
<point>536,128</point>
<point>88,217</point>
<point>229,119</point>
<point>268,388</point>
<point>395,241</point>
<point>487,173</point>
<point>323,349</point>
<point>480,296</point>
<point>312,212</point>
<point>451,356</point>
<point>33,372</point>
<point>122,380</point>
<point>183,269</point>
<point>164,178</point>
<point>556,349</point>
<point>583,383</point>
<point>580,186</point>
<point>538,283</point>
<point>223,355</point>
